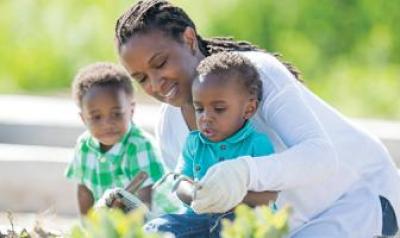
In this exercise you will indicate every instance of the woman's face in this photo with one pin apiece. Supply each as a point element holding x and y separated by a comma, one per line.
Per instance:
<point>164,67</point>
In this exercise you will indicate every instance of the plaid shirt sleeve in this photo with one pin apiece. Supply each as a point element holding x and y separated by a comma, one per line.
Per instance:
<point>144,156</point>
<point>74,168</point>
<point>77,168</point>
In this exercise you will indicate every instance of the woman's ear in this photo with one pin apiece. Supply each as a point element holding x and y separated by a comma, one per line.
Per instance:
<point>190,39</point>
<point>250,109</point>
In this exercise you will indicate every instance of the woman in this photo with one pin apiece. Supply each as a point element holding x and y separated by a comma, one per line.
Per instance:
<point>339,180</point>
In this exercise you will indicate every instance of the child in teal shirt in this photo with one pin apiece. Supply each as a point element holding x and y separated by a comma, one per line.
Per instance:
<point>225,96</point>
<point>201,152</point>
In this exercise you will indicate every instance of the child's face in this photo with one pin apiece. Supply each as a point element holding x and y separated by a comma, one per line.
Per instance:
<point>107,112</point>
<point>222,106</point>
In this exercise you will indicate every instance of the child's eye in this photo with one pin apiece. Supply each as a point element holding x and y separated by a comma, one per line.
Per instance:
<point>117,115</point>
<point>199,109</point>
<point>95,118</point>
<point>219,109</point>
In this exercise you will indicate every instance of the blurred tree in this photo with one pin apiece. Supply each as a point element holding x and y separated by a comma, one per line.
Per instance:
<point>348,51</point>
<point>43,43</point>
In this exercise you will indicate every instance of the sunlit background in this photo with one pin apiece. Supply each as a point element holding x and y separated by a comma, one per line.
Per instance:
<point>348,51</point>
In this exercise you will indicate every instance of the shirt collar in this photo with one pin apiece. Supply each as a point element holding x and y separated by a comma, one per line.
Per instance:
<point>240,135</point>
<point>116,149</point>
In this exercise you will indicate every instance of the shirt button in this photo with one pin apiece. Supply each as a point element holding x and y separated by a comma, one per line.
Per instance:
<point>197,168</point>
<point>103,159</point>
<point>223,147</point>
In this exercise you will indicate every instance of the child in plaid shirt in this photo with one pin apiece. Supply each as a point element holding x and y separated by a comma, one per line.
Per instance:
<point>114,149</point>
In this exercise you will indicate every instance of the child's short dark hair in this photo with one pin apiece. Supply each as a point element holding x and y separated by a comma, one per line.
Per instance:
<point>101,74</point>
<point>232,63</point>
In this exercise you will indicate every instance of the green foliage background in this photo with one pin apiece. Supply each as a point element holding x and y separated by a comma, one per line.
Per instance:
<point>348,51</point>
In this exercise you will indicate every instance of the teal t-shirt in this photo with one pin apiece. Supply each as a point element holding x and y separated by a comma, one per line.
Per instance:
<point>199,153</point>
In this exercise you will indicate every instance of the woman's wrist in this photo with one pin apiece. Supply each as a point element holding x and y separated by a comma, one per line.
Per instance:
<point>254,199</point>
<point>185,192</point>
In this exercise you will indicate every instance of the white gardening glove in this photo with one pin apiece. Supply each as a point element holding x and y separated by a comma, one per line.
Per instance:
<point>223,187</point>
<point>107,198</point>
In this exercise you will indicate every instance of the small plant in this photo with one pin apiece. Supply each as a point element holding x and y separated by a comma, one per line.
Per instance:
<point>113,223</point>
<point>37,232</point>
<point>260,222</point>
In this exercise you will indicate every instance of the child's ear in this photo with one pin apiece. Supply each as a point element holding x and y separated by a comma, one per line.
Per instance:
<point>133,105</point>
<point>82,118</point>
<point>251,108</point>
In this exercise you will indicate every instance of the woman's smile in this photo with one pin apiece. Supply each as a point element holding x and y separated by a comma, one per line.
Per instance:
<point>171,93</point>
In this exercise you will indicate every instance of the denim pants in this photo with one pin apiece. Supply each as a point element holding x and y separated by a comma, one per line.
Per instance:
<point>189,224</point>
<point>389,221</point>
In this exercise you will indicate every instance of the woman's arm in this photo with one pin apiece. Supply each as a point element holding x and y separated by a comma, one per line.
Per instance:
<point>310,156</point>
<point>185,192</point>
<point>254,199</point>
<point>85,199</point>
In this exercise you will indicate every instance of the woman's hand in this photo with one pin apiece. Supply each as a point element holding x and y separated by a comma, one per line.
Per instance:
<point>223,187</point>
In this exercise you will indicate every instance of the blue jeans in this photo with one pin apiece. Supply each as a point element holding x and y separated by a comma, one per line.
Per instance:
<point>389,221</point>
<point>189,224</point>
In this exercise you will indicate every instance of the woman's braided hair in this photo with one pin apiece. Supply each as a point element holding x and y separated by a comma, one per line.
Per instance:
<point>148,15</point>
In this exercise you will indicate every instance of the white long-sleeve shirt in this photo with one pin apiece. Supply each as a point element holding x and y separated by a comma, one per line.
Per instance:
<point>321,155</point>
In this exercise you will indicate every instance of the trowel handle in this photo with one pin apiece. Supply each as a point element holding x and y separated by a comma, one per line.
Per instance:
<point>136,182</point>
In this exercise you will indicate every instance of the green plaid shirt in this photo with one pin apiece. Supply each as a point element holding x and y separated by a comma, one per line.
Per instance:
<point>117,167</point>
